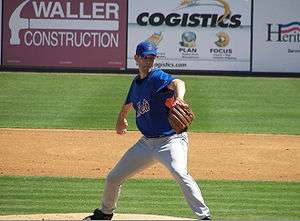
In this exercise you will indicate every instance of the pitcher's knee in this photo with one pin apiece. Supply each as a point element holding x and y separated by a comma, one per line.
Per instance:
<point>179,173</point>
<point>113,178</point>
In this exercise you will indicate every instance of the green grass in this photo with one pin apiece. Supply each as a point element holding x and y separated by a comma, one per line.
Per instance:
<point>60,101</point>
<point>222,104</point>
<point>226,199</point>
<point>255,105</point>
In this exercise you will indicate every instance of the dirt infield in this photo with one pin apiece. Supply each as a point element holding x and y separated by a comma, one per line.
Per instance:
<point>93,153</point>
<point>212,156</point>
<point>79,216</point>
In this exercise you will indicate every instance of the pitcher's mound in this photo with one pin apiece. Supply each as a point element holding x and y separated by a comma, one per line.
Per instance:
<point>80,216</point>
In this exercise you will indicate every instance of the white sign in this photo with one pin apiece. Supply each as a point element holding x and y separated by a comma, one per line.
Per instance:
<point>276,36</point>
<point>193,35</point>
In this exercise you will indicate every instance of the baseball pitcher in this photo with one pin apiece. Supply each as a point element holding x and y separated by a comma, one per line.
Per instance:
<point>163,117</point>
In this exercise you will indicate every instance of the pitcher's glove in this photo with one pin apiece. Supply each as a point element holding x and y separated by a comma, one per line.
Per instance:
<point>180,116</point>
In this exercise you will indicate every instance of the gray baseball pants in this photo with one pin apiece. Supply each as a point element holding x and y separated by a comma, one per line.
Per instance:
<point>170,151</point>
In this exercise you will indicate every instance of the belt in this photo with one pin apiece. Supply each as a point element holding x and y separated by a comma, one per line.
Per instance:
<point>159,136</point>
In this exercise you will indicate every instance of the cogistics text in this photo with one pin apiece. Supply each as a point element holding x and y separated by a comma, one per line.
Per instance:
<point>189,20</point>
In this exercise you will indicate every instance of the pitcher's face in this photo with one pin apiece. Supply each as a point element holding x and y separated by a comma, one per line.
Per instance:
<point>145,62</point>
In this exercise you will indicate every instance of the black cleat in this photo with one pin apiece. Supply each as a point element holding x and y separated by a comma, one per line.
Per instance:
<point>206,218</point>
<point>99,215</point>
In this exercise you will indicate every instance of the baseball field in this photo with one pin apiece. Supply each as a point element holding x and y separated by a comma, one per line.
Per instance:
<point>57,143</point>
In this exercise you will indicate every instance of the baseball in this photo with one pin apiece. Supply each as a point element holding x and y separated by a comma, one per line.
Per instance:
<point>126,125</point>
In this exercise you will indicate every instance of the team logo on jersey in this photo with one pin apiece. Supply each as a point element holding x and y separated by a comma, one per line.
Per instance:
<point>142,107</point>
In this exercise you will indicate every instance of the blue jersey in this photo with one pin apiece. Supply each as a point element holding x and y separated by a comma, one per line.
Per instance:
<point>148,97</point>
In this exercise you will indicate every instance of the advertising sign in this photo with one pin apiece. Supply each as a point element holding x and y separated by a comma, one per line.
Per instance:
<point>88,34</point>
<point>193,34</point>
<point>276,36</point>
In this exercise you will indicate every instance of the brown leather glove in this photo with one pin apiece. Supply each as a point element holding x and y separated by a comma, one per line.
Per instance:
<point>180,116</point>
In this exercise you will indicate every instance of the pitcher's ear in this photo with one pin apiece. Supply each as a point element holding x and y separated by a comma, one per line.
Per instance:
<point>136,57</point>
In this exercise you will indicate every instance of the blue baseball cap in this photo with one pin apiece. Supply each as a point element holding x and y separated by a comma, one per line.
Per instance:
<point>146,48</point>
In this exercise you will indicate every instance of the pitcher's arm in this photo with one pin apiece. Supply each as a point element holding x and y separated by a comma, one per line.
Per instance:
<point>121,125</point>
<point>178,86</point>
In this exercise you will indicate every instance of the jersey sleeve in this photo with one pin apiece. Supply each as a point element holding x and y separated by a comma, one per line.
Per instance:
<point>128,98</point>
<point>162,80</point>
